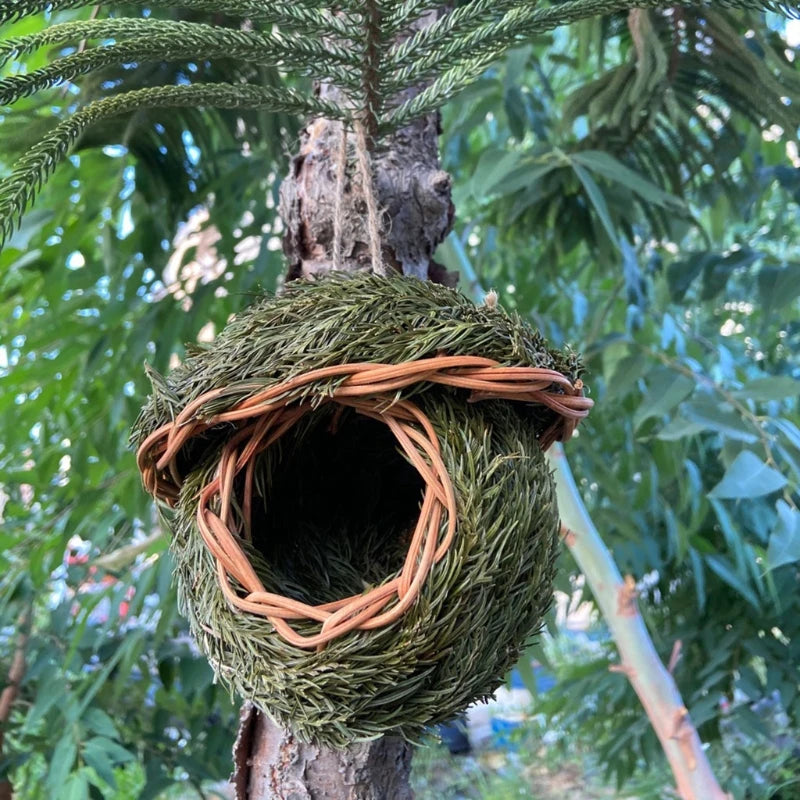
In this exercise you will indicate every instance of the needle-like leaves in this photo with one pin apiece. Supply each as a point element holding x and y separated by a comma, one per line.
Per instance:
<point>360,48</point>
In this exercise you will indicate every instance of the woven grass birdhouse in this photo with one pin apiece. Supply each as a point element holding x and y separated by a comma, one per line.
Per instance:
<point>364,525</point>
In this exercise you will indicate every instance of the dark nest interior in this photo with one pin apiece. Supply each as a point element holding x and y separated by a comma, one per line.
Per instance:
<point>334,507</point>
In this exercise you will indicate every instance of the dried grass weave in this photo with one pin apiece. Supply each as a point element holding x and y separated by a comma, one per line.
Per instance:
<point>212,457</point>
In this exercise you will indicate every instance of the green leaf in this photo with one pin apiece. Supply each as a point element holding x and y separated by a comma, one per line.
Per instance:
<point>721,566</point>
<point>96,758</point>
<point>112,751</point>
<point>682,272</point>
<point>748,476</point>
<point>789,430</point>
<point>679,428</point>
<point>699,577</point>
<point>665,389</point>
<point>719,269</point>
<point>76,787</point>
<point>704,709</point>
<point>61,763</point>
<point>598,201</point>
<point>156,778</point>
<point>524,176</point>
<point>778,287</point>
<point>784,541</point>
<point>514,105</point>
<point>717,418</point>
<point>195,674</point>
<point>97,721</point>
<point>773,388</point>
<point>612,168</point>
<point>624,375</point>
<point>51,689</point>
<point>525,669</point>
<point>493,167</point>
<point>733,536</point>
<point>100,677</point>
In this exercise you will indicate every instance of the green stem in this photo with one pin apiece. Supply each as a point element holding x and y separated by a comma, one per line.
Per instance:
<point>616,599</point>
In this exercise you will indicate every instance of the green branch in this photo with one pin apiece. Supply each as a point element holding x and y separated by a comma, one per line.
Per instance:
<point>370,70</point>
<point>297,16</point>
<point>448,29</point>
<point>438,92</point>
<point>397,19</point>
<point>302,49</point>
<point>469,34</point>
<point>18,190</point>
<point>460,45</point>
<point>192,45</point>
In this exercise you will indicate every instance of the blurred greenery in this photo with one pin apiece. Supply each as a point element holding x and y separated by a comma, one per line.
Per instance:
<point>646,214</point>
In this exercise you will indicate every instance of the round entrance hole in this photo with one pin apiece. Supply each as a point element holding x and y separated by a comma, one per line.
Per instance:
<point>340,507</point>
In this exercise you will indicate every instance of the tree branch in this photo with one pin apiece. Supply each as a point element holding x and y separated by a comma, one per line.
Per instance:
<point>16,673</point>
<point>651,681</point>
<point>126,555</point>
<point>616,599</point>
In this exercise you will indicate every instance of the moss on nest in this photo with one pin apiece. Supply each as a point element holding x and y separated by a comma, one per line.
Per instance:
<point>335,509</point>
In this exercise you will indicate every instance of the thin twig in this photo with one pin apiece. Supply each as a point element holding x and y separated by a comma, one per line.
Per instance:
<point>341,168</point>
<point>16,673</point>
<point>126,555</point>
<point>675,656</point>
<point>373,224</point>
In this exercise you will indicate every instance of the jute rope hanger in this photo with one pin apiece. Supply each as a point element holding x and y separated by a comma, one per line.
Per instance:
<point>367,181</point>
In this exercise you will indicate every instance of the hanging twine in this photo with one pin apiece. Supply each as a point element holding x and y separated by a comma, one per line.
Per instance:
<point>224,517</point>
<point>373,224</point>
<point>367,182</point>
<point>338,213</point>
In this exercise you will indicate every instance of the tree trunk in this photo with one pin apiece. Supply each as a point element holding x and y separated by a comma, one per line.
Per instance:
<point>271,763</point>
<point>16,674</point>
<point>413,195</point>
<point>416,213</point>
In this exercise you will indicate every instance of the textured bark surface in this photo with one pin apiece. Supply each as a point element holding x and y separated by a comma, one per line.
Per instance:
<point>271,763</point>
<point>416,213</point>
<point>413,192</point>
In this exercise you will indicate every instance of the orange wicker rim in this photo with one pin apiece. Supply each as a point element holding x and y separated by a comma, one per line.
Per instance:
<point>370,389</point>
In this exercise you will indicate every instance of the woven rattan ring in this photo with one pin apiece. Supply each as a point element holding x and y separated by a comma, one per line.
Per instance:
<point>201,448</point>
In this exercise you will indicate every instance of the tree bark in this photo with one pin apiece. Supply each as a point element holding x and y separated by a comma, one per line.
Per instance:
<point>271,763</point>
<point>416,213</point>
<point>640,663</point>
<point>413,194</point>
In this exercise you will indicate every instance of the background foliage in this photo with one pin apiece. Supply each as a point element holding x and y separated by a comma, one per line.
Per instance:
<point>624,182</point>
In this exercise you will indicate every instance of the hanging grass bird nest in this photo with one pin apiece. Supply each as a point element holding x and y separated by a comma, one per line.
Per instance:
<point>364,525</point>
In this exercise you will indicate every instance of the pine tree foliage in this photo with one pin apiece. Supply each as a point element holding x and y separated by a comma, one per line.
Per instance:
<point>390,61</point>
